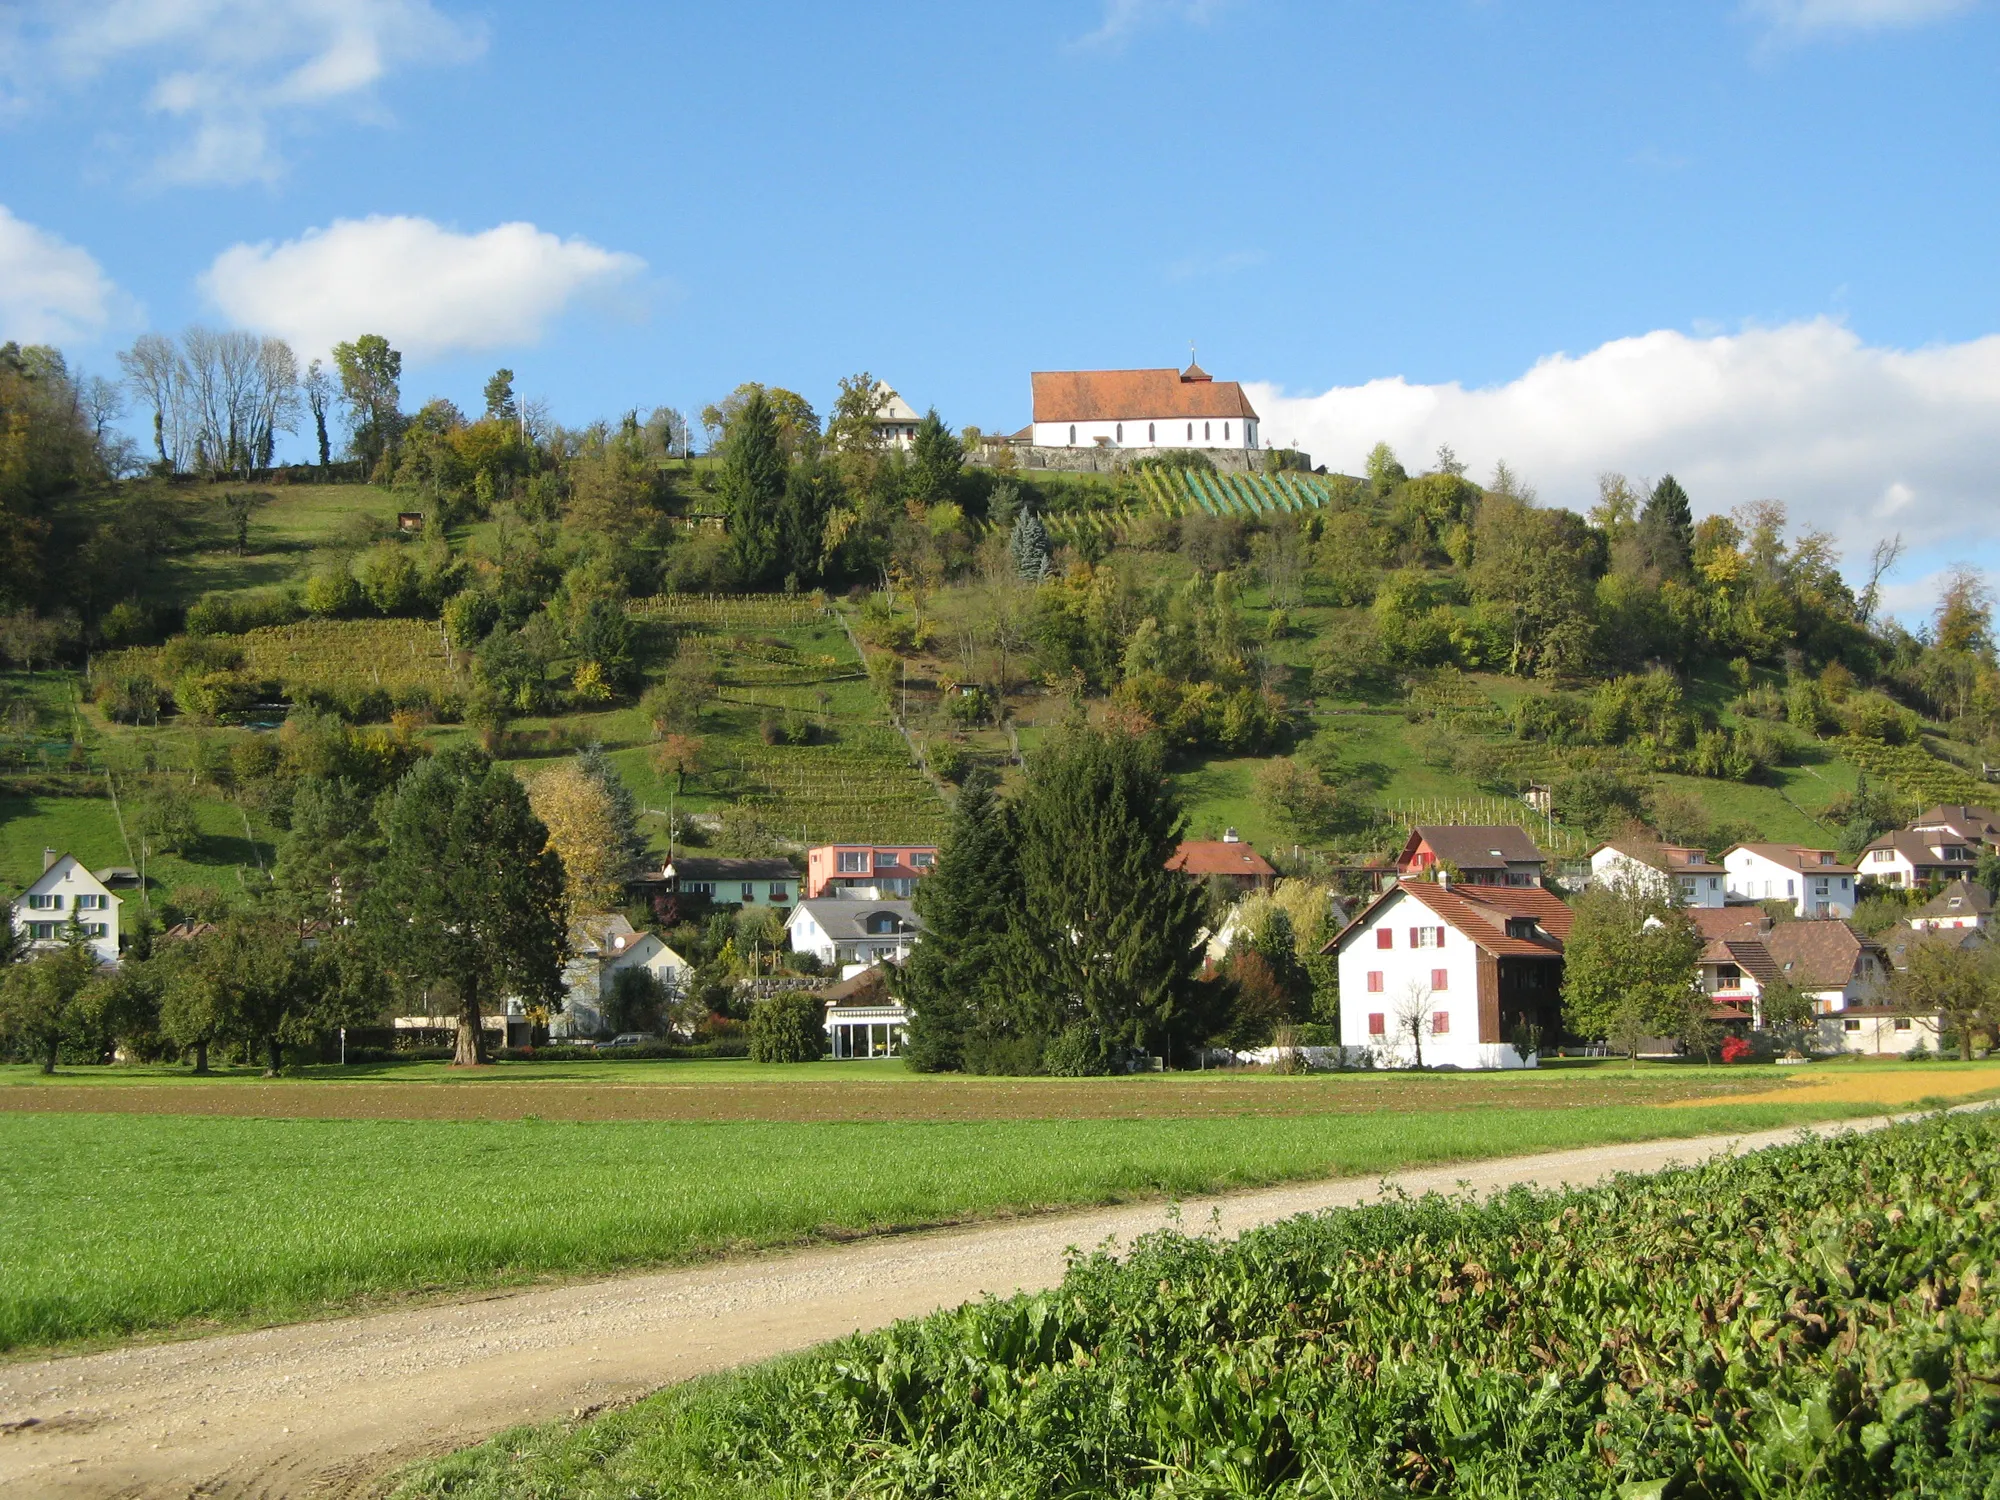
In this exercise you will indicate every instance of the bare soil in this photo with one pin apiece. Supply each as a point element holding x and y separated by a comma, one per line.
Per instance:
<point>329,1408</point>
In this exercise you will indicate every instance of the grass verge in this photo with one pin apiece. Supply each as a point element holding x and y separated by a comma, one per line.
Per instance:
<point>113,1225</point>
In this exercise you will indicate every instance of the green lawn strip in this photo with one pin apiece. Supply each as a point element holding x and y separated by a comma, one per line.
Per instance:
<point>114,1225</point>
<point>1809,1321</point>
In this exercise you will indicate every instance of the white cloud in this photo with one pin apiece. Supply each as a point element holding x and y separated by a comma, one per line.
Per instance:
<point>1819,17</point>
<point>51,291</point>
<point>1123,18</point>
<point>236,73</point>
<point>1857,440</point>
<point>429,290</point>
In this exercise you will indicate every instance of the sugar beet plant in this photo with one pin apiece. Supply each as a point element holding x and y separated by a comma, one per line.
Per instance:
<point>1816,1320</point>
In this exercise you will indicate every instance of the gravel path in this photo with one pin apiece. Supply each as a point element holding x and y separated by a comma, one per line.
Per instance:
<point>327,1408</point>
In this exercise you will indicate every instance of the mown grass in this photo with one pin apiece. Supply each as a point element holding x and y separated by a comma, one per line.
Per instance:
<point>114,1225</point>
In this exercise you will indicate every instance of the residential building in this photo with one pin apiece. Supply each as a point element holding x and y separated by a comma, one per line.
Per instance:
<point>1960,822</point>
<point>66,890</point>
<point>1962,904</point>
<point>868,871</point>
<point>602,946</point>
<point>846,932</point>
<point>1734,964</point>
<point>1678,870</point>
<point>862,1018</point>
<point>733,882</point>
<point>1845,972</point>
<point>1907,859</point>
<point>895,420</point>
<point>1469,968</point>
<point>1472,854</point>
<point>1227,859</point>
<point>1814,881</point>
<point>1141,409</point>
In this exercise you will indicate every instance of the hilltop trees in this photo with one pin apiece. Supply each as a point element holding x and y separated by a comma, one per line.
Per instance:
<point>371,387</point>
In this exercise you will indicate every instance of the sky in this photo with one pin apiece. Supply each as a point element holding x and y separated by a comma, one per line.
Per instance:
<point>1748,242</point>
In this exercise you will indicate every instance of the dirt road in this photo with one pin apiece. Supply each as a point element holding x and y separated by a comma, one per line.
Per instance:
<point>327,1408</point>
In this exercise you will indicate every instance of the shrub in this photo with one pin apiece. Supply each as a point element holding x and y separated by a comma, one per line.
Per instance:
<point>332,593</point>
<point>1735,1049</point>
<point>233,614</point>
<point>787,1028</point>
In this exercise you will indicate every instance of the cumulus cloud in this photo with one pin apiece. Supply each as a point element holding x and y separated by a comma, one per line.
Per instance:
<point>1857,440</point>
<point>429,290</point>
<point>236,73</point>
<point>51,291</point>
<point>1817,17</point>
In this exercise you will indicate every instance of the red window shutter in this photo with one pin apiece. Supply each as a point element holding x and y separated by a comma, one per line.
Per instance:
<point>1440,937</point>
<point>1377,1024</point>
<point>1440,1022</point>
<point>1374,981</point>
<point>1440,979</point>
<point>1385,937</point>
<point>1416,938</point>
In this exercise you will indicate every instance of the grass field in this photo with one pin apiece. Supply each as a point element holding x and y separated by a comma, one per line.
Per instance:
<point>120,1223</point>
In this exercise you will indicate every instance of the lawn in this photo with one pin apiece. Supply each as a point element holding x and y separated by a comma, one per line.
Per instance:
<point>114,1224</point>
<point>88,828</point>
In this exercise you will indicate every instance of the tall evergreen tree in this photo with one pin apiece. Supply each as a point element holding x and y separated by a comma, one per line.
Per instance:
<point>1102,951</point>
<point>467,894</point>
<point>1030,544</point>
<point>936,457</point>
<point>632,844</point>
<point>1666,530</point>
<point>953,978</point>
<point>812,490</point>
<point>752,487</point>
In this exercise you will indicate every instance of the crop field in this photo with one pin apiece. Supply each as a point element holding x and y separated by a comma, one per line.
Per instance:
<point>1810,1321</point>
<point>182,1204</point>
<point>385,654</point>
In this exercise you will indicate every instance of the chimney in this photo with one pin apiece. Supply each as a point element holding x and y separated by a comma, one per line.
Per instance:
<point>49,858</point>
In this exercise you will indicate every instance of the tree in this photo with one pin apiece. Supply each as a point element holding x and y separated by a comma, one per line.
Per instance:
<point>1413,1019</point>
<point>371,375</point>
<point>468,895</point>
<point>1385,474</point>
<point>1965,613</point>
<point>1629,966</point>
<point>1103,945</point>
<point>583,833</point>
<point>615,486</point>
<point>255,982</point>
<point>323,865</point>
<point>166,818</point>
<point>153,369</point>
<point>752,487</point>
<point>1534,571</point>
<point>797,424</point>
<point>1957,985</point>
<point>1666,530</point>
<point>1786,1012</point>
<point>632,845</point>
<point>787,1028</point>
<point>1030,546</point>
<point>953,977</point>
<point>936,457</point>
<point>43,1000</point>
<point>499,393</point>
<point>318,387</point>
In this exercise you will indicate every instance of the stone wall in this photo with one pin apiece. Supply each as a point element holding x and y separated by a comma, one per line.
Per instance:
<point>1097,460</point>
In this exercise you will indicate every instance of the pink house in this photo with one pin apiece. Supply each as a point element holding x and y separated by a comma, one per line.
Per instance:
<point>889,870</point>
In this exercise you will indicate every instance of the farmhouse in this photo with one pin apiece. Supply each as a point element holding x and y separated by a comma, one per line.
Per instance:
<point>881,869</point>
<point>845,933</point>
<point>1686,874</point>
<point>1141,409</point>
<point>895,419</point>
<point>66,890</point>
<point>1227,859</point>
<point>1472,854</point>
<point>1459,971</point>
<point>1813,880</point>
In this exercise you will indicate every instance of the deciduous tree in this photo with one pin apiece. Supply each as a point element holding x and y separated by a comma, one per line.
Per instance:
<point>1630,966</point>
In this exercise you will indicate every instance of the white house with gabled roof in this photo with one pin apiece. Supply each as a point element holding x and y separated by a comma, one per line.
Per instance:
<point>1679,871</point>
<point>1814,881</point>
<point>66,890</point>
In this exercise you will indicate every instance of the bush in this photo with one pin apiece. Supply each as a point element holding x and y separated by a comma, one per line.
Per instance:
<point>332,593</point>
<point>787,1028</point>
<point>233,614</point>
<point>1735,1049</point>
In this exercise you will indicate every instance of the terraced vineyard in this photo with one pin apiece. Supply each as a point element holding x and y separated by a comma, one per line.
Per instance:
<point>730,611</point>
<point>862,788</point>
<point>392,655</point>
<point>1915,772</point>
<point>1181,492</point>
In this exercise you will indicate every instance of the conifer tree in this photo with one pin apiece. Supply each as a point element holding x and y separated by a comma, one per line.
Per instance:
<point>936,457</point>
<point>1030,543</point>
<point>952,980</point>
<point>752,489</point>
<point>1102,953</point>
<point>1666,529</point>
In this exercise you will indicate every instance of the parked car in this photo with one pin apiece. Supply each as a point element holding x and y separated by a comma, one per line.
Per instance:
<point>626,1039</point>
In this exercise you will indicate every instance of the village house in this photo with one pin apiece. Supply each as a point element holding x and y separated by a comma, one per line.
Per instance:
<point>1960,905</point>
<point>1907,859</point>
<point>1227,859</point>
<point>1472,854</point>
<point>1844,972</point>
<point>1141,409</point>
<point>1814,881</point>
<point>1467,968</point>
<point>867,870</point>
<point>1977,826</point>
<point>847,933</point>
<point>1677,870</point>
<point>862,1018</point>
<point>895,419</point>
<point>732,882</point>
<point>65,890</point>
<point>602,946</point>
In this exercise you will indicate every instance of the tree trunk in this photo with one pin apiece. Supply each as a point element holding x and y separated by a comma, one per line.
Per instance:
<point>274,1057</point>
<point>49,1062</point>
<point>201,1057</point>
<point>471,1035</point>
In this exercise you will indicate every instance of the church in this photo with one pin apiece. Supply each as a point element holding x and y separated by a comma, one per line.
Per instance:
<point>1141,409</point>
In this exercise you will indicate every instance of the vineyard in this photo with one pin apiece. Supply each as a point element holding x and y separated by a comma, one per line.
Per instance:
<point>1915,772</point>
<point>1182,492</point>
<point>862,788</point>
<point>1809,1321</point>
<point>731,611</point>
<point>393,656</point>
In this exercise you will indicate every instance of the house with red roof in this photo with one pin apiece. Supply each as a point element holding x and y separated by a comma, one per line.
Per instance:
<point>1228,859</point>
<point>1455,972</point>
<point>1815,881</point>
<point>1141,409</point>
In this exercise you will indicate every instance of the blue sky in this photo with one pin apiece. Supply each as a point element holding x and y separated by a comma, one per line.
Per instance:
<point>1751,242</point>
